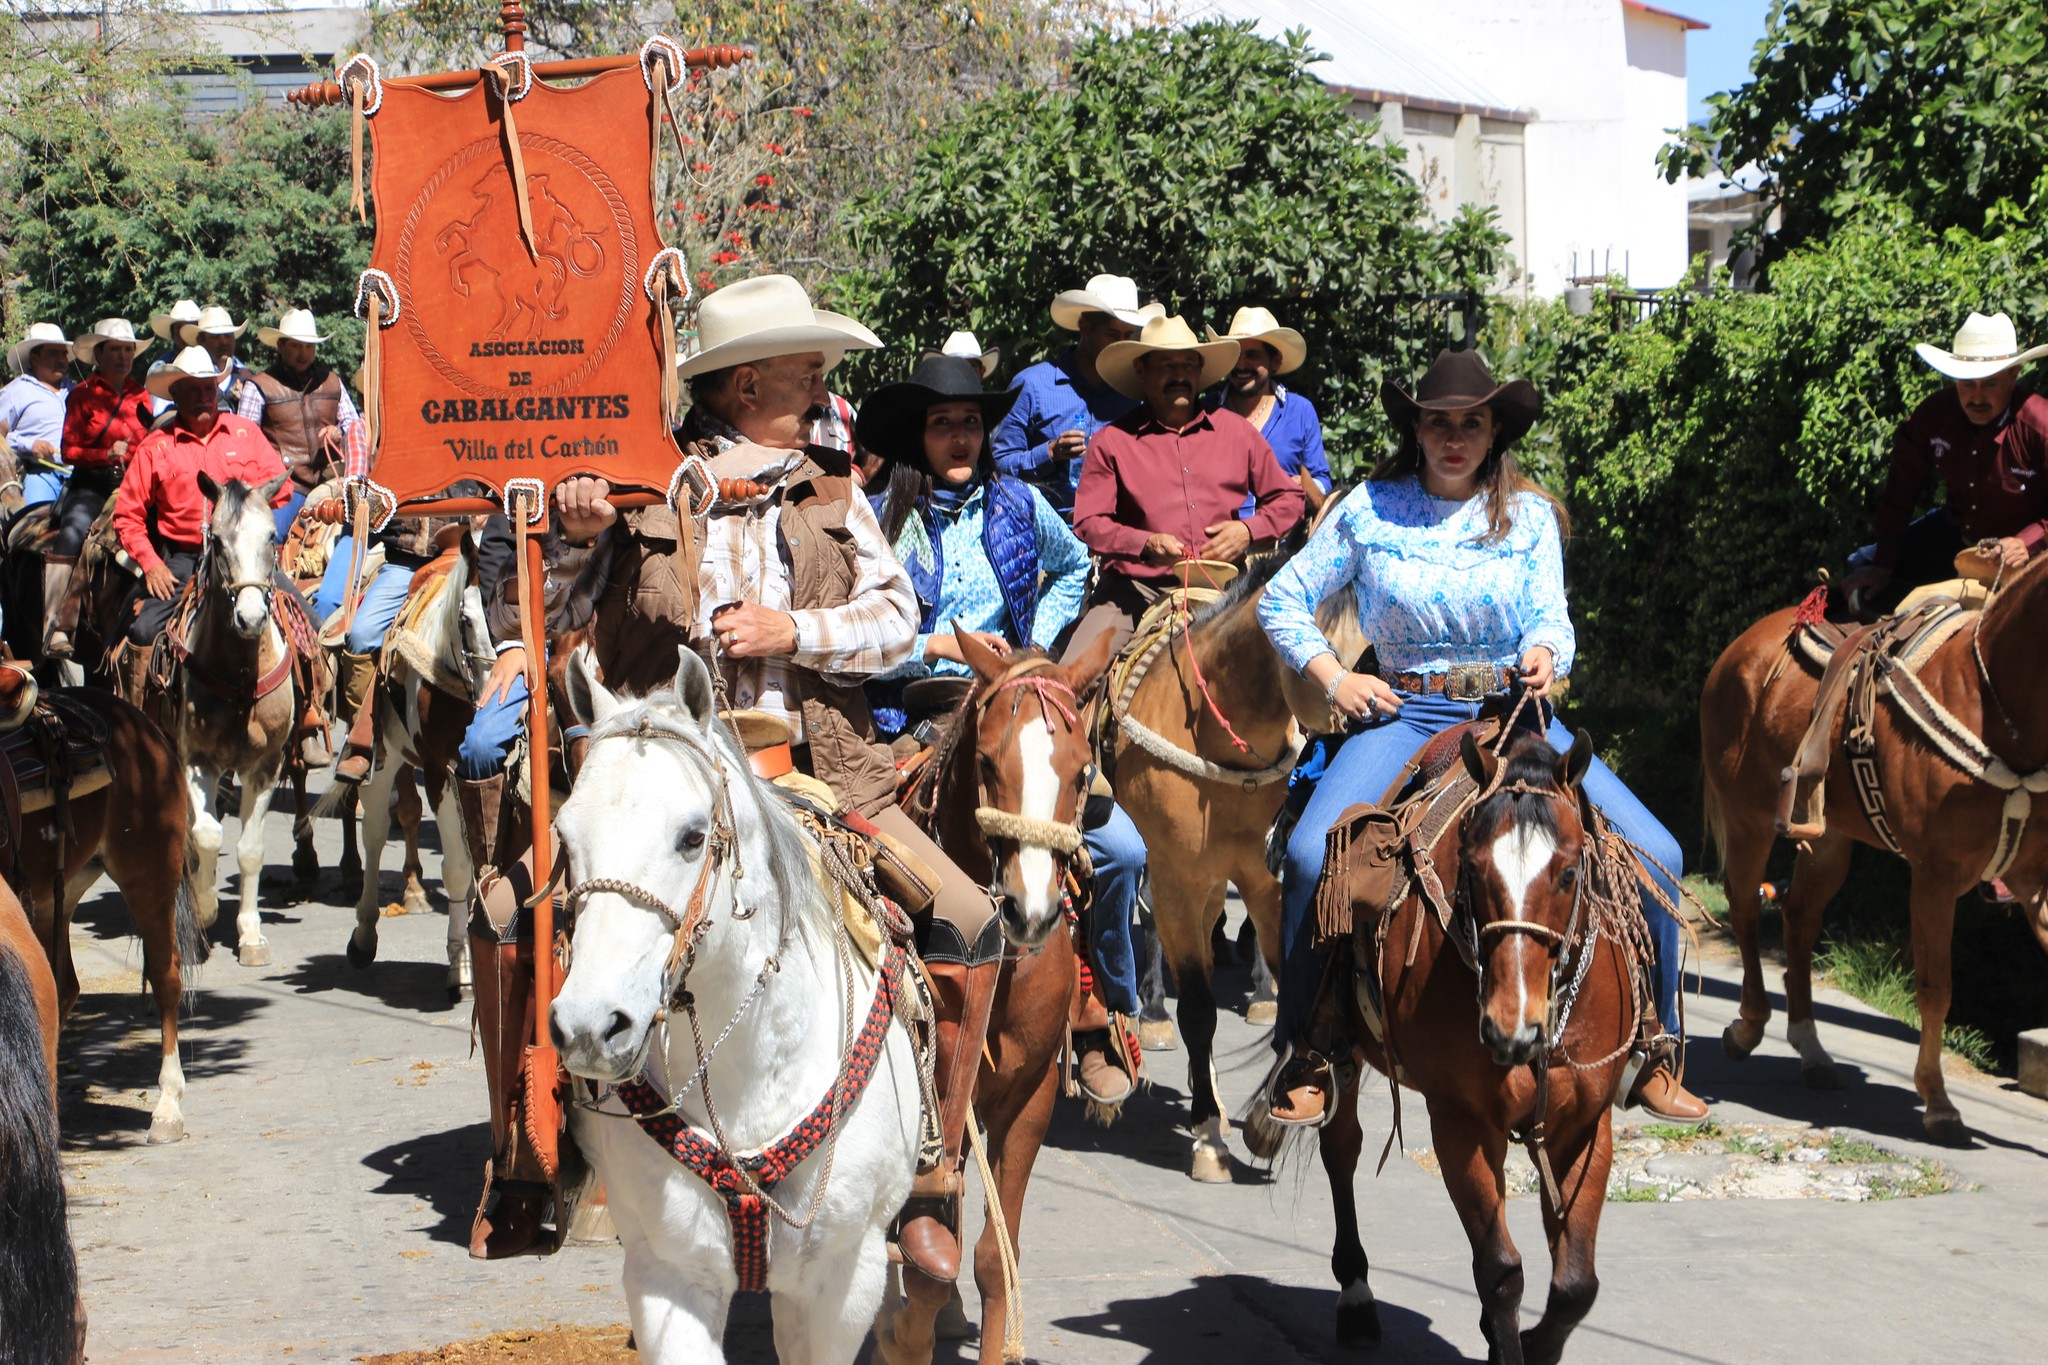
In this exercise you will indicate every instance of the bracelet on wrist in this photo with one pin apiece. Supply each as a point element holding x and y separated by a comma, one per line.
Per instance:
<point>1330,692</point>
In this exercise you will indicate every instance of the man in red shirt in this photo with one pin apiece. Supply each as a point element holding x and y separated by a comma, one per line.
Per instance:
<point>163,481</point>
<point>1170,480</point>
<point>1986,439</point>
<point>105,417</point>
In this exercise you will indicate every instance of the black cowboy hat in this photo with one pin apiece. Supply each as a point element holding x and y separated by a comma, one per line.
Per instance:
<point>1460,379</point>
<point>891,423</point>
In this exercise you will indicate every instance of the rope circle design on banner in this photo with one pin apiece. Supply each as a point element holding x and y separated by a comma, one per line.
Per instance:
<point>360,486</point>
<point>677,266</point>
<point>374,280</point>
<point>362,69</point>
<point>540,499</point>
<point>667,50</point>
<point>510,63</point>
<point>701,506</point>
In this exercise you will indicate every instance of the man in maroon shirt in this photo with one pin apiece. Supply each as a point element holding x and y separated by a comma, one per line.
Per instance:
<point>1986,439</point>
<point>1170,481</point>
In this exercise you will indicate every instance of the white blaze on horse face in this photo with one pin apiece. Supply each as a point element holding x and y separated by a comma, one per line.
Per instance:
<point>1039,894</point>
<point>250,544</point>
<point>1521,855</point>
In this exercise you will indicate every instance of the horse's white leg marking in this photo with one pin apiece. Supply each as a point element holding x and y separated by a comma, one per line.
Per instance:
<point>674,1318</point>
<point>1805,1040</point>
<point>167,1121</point>
<point>1521,854</point>
<point>373,817</point>
<point>203,783</point>
<point>826,1322</point>
<point>1211,1162</point>
<point>256,793</point>
<point>1040,800</point>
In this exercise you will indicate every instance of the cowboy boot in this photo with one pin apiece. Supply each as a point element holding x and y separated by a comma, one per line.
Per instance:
<point>1099,1067</point>
<point>60,607</point>
<point>359,703</point>
<point>929,1232</point>
<point>131,673</point>
<point>508,1216</point>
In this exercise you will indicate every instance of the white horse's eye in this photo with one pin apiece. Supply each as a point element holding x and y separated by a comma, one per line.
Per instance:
<point>692,841</point>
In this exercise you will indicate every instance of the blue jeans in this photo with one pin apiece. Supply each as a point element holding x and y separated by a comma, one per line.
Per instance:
<point>288,514</point>
<point>488,741</point>
<point>1362,770</point>
<point>41,487</point>
<point>382,600</point>
<point>1117,853</point>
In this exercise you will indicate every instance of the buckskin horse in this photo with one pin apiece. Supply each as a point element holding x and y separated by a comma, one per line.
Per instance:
<point>774,1157</point>
<point>1003,795</point>
<point>1505,862</point>
<point>1955,791</point>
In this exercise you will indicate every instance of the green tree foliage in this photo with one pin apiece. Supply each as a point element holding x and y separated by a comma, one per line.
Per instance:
<point>1204,162</point>
<point>1939,105</point>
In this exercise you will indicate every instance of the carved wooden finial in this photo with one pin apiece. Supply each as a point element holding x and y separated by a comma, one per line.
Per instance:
<point>512,16</point>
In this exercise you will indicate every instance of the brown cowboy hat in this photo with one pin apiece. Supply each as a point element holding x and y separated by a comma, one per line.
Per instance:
<point>1460,379</point>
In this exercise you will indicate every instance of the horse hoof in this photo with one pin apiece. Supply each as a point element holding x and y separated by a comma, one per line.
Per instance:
<point>1156,1035</point>
<point>1740,1038</point>
<point>456,994</point>
<point>1947,1128</point>
<point>253,954</point>
<point>359,957</point>
<point>1820,1075</point>
<point>952,1323</point>
<point>166,1130</point>
<point>1358,1324</point>
<point>1262,1013</point>
<point>306,865</point>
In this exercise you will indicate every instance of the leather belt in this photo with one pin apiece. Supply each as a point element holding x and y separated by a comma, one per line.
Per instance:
<point>772,762</point>
<point>1461,682</point>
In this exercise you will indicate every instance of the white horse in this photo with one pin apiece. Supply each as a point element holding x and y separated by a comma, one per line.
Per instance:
<point>445,650</point>
<point>668,826</point>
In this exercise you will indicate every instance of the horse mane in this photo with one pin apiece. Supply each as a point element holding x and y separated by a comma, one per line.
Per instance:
<point>1242,589</point>
<point>1530,762</point>
<point>791,861</point>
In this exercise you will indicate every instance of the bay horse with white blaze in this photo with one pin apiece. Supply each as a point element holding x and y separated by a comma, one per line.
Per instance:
<point>1947,814</point>
<point>804,1111</point>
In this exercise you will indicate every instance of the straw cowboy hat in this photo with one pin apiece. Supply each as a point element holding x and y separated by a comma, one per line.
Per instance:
<point>214,320</point>
<point>184,310</point>
<point>1259,324</point>
<point>107,329</point>
<point>38,334</point>
<point>1983,347</point>
<point>966,347</point>
<point>1460,379</point>
<point>768,316</point>
<point>1116,295</point>
<point>891,422</point>
<point>1118,363</point>
<point>191,363</point>
<point>297,324</point>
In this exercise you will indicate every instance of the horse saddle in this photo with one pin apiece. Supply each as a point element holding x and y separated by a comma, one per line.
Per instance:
<point>51,750</point>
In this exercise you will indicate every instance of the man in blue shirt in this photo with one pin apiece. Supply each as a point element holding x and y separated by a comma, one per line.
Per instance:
<point>1253,391</point>
<point>1063,401</point>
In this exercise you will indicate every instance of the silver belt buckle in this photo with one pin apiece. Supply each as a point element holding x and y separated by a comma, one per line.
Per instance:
<point>1470,682</point>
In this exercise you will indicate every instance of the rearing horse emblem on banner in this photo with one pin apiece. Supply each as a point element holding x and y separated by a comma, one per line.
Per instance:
<point>529,294</point>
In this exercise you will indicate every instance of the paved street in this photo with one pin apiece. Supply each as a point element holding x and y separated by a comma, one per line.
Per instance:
<point>319,1207</point>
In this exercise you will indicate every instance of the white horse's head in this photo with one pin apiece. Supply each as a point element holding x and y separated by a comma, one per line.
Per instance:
<point>241,546</point>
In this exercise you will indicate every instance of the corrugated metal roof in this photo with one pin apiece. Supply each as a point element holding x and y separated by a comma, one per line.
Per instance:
<point>1371,46</point>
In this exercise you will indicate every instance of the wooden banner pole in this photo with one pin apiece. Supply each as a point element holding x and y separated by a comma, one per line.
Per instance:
<point>544,1116</point>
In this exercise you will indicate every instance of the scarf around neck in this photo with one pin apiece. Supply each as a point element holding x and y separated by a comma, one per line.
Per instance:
<point>302,381</point>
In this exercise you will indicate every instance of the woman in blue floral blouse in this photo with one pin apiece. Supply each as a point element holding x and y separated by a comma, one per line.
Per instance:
<point>987,551</point>
<point>1457,563</point>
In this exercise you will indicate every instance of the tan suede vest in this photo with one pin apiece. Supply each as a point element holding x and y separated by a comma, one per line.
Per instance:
<point>293,421</point>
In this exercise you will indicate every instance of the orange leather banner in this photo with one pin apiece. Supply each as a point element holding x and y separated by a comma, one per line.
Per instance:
<point>503,362</point>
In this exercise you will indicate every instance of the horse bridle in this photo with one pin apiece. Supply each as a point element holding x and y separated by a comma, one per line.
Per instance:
<point>1556,943</point>
<point>1055,697</point>
<point>208,570</point>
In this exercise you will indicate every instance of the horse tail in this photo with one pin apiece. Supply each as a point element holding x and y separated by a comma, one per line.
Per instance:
<point>193,945</point>
<point>1715,821</point>
<point>328,807</point>
<point>38,1273</point>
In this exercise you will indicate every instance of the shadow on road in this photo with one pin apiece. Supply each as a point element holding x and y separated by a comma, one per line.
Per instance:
<point>111,1047</point>
<point>1198,1323</point>
<point>444,1170</point>
<point>399,984</point>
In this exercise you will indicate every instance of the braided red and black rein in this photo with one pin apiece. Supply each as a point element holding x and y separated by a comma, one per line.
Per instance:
<point>745,1208</point>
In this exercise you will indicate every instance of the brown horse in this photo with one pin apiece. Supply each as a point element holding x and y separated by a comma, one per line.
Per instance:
<point>1753,712</point>
<point>39,1310</point>
<point>1017,745</point>
<point>1547,1046</point>
<point>1191,790</point>
<point>133,828</point>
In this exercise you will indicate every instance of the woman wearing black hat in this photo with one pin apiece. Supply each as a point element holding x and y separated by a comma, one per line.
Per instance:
<point>987,551</point>
<point>1457,562</point>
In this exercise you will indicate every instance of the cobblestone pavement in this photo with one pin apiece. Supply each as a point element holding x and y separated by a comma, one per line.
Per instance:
<point>319,1207</point>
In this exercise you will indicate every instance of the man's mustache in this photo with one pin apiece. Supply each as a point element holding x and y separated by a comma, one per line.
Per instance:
<point>814,413</point>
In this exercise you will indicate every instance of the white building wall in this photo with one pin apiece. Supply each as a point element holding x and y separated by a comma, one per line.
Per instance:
<point>1656,107</point>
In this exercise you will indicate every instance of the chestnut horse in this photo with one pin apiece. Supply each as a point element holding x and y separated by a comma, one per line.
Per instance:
<point>1016,747</point>
<point>1753,713</point>
<point>39,1312</point>
<point>1546,1044</point>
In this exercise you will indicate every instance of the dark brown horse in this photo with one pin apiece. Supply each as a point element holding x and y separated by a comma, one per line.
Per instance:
<point>1753,713</point>
<point>1017,745</point>
<point>1559,1002</point>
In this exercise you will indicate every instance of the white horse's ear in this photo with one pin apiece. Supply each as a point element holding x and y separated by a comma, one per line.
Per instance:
<point>693,688</point>
<point>267,490</point>
<point>590,701</point>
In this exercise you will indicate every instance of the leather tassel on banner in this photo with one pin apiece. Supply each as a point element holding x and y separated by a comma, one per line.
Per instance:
<point>358,95</point>
<point>515,162</point>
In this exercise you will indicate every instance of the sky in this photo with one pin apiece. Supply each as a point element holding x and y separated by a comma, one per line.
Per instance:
<point>1718,58</point>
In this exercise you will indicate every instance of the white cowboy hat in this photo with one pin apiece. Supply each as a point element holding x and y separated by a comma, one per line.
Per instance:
<point>191,363</point>
<point>1983,347</point>
<point>297,323</point>
<point>768,316</point>
<point>1118,363</point>
<point>184,310</point>
<point>38,334</point>
<point>107,329</point>
<point>213,319</point>
<point>1116,295</point>
<point>964,346</point>
<point>1259,324</point>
